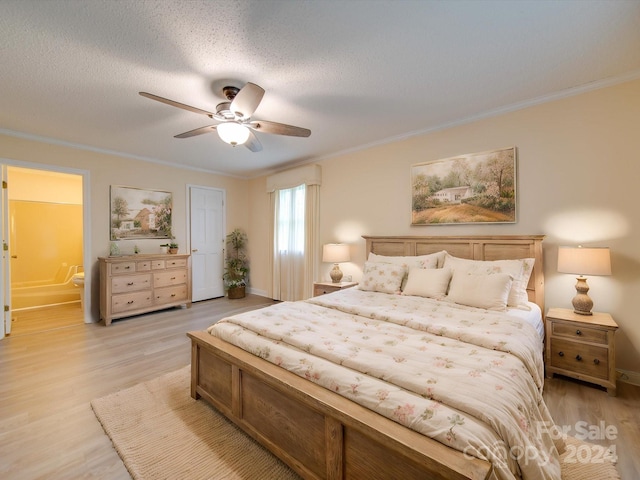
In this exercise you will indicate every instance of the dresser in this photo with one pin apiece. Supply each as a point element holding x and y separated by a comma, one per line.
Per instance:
<point>581,346</point>
<point>135,284</point>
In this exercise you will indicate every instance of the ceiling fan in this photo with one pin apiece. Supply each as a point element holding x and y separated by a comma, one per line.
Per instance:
<point>235,114</point>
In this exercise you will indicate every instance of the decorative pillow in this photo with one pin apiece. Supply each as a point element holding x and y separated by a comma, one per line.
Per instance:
<point>382,277</point>
<point>519,269</point>
<point>427,282</point>
<point>489,291</point>
<point>433,260</point>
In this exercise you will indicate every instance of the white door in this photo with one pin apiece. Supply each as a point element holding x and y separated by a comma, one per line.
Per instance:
<point>5,280</point>
<point>207,242</point>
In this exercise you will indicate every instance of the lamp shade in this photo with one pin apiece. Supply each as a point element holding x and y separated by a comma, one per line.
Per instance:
<point>335,253</point>
<point>584,261</point>
<point>233,133</point>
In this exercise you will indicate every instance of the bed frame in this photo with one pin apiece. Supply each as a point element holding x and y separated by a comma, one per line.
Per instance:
<point>322,435</point>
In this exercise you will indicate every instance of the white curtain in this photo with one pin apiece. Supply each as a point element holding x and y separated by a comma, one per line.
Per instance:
<point>294,233</point>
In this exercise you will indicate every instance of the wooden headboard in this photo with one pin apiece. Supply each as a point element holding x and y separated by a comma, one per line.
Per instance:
<point>497,247</point>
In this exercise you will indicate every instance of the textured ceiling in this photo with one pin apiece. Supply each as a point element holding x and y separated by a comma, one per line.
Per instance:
<point>356,73</point>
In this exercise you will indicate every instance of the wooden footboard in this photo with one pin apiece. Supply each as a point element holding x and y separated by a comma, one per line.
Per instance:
<point>319,434</point>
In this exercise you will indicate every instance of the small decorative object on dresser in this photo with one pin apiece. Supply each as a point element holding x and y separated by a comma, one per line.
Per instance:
<point>581,347</point>
<point>321,288</point>
<point>135,284</point>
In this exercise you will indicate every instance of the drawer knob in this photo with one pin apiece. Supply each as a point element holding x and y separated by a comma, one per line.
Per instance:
<point>561,354</point>
<point>130,302</point>
<point>130,283</point>
<point>578,332</point>
<point>596,361</point>
<point>578,357</point>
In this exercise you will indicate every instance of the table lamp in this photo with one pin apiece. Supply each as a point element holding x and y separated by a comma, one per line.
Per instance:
<point>335,253</point>
<point>583,261</point>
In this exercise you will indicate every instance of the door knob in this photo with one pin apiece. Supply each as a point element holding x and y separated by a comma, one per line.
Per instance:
<point>194,250</point>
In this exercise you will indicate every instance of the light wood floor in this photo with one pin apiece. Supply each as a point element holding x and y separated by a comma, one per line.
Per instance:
<point>47,379</point>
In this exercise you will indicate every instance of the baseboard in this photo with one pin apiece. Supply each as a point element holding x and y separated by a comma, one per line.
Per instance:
<point>628,376</point>
<point>256,291</point>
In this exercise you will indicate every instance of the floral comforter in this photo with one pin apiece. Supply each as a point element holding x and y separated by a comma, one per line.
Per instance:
<point>469,378</point>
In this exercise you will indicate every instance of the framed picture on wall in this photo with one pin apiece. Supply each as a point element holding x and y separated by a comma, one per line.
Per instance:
<point>140,213</point>
<point>471,188</point>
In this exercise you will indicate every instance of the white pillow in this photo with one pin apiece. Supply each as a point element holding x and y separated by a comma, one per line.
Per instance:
<point>382,277</point>
<point>489,291</point>
<point>433,260</point>
<point>427,282</point>
<point>519,269</point>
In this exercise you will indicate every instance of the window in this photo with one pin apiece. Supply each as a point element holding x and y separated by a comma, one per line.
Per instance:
<point>290,235</point>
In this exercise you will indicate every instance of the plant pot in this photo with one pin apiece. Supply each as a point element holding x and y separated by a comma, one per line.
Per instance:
<point>173,250</point>
<point>236,292</point>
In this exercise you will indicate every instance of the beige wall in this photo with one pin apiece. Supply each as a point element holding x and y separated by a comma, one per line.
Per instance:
<point>105,170</point>
<point>578,170</point>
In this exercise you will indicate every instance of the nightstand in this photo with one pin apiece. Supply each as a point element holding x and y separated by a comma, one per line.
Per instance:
<point>320,288</point>
<point>582,347</point>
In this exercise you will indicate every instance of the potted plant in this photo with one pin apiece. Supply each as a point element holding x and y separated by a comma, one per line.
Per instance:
<point>172,247</point>
<point>236,264</point>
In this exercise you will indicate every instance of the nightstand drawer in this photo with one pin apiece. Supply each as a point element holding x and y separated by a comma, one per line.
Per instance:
<point>585,334</point>
<point>575,357</point>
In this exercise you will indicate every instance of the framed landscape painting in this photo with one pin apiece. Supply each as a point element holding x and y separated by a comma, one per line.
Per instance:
<point>138,213</point>
<point>472,188</point>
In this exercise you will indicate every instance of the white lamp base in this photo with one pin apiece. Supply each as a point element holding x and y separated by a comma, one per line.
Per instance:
<point>336,273</point>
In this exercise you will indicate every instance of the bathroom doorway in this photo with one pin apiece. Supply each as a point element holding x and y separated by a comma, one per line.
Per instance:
<point>45,250</point>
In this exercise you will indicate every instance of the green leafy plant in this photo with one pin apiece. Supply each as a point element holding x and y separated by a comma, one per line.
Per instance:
<point>236,262</point>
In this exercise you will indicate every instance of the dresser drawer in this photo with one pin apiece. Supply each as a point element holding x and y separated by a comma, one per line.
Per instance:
<point>131,301</point>
<point>169,277</point>
<point>171,294</point>
<point>576,357</point>
<point>585,334</point>
<point>158,264</point>
<point>143,266</point>
<point>130,283</point>
<point>176,262</point>
<point>123,267</point>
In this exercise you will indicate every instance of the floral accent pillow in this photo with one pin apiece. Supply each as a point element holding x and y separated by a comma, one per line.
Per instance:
<point>488,291</point>
<point>428,282</point>
<point>520,270</point>
<point>433,260</point>
<point>382,277</point>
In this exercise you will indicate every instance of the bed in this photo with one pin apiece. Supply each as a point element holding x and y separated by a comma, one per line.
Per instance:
<point>322,434</point>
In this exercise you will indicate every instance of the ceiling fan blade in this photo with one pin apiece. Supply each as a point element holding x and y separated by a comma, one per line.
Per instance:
<point>279,128</point>
<point>197,131</point>
<point>247,100</point>
<point>176,104</point>
<point>253,143</point>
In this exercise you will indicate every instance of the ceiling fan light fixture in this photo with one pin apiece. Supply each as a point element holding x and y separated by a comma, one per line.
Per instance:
<point>233,133</point>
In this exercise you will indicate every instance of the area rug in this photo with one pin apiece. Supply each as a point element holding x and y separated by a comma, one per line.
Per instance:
<point>160,432</point>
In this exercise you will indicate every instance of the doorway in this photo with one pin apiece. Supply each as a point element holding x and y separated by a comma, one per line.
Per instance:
<point>45,233</point>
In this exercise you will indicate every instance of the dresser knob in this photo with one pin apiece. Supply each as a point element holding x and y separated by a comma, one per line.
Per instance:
<point>578,332</point>
<point>561,354</point>
<point>596,361</point>
<point>578,357</point>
